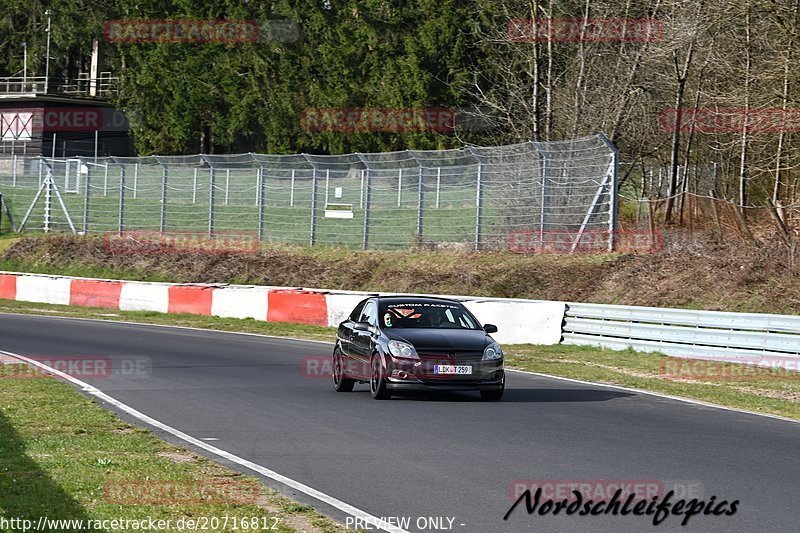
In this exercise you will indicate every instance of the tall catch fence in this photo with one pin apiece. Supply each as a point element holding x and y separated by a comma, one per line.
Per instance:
<point>471,198</point>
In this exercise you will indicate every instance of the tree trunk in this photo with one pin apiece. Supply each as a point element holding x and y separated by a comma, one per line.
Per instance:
<point>745,138</point>
<point>681,74</point>
<point>579,96</point>
<point>537,52</point>
<point>548,120</point>
<point>776,191</point>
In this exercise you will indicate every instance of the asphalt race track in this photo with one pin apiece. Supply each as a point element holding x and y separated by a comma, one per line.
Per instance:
<point>449,456</point>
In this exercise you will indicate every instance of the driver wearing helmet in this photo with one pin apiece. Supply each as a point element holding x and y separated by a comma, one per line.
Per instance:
<point>435,319</point>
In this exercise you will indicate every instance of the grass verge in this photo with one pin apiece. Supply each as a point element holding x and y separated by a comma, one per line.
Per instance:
<point>63,457</point>
<point>7,240</point>
<point>766,393</point>
<point>725,384</point>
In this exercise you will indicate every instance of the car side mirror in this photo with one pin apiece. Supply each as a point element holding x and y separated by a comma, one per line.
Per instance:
<point>362,326</point>
<point>490,328</point>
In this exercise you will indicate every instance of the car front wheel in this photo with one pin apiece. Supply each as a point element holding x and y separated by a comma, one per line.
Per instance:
<point>377,382</point>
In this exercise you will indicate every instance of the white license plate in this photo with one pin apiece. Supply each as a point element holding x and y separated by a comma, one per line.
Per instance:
<point>452,369</point>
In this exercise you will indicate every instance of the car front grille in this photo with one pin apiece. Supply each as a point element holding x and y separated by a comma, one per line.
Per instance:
<point>452,357</point>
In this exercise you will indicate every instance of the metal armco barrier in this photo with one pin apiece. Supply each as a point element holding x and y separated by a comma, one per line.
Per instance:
<point>682,332</point>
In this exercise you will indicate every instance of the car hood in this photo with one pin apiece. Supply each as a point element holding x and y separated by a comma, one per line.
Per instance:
<point>442,339</point>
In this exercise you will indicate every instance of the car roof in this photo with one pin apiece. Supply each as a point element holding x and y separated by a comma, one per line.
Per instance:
<point>415,298</point>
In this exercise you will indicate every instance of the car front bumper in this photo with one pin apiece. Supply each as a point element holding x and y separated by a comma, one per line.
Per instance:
<point>487,376</point>
<point>449,386</point>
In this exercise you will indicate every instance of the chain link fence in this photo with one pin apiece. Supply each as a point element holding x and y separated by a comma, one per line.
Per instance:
<point>470,198</point>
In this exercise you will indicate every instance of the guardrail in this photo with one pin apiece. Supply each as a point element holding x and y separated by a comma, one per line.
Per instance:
<point>742,337</point>
<point>682,332</point>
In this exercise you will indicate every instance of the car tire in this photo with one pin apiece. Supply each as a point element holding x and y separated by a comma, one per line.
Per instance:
<point>493,395</point>
<point>377,381</point>
<point>340,383</point>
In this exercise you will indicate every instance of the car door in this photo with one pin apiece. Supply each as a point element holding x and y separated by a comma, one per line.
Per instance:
<point>363,342</point>
<point>346,332</point>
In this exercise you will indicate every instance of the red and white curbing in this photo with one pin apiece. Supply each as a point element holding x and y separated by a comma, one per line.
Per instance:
<point>518,321</point>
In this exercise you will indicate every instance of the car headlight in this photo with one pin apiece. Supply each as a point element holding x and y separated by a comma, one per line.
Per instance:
<point>402,349</point>
<point>493,351</point>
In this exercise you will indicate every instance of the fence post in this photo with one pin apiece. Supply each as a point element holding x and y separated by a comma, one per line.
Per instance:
<point>227,184</point>
<point>121,199</point>
<point>261,204</point>
<point>13,168</point>
<point>313,237</point>
<point>259,185</point>
<point>479,207</point>
<point>86,198</point>
<point>135,180</point>
<point>361,191</point>
<point>399,187</point>
<point>164,198</point>
<point>291,192</point>
<point>420,204</point>
<point>48,186</point>
<point>4,207</point>
<point>543,210</point>
<point>194,186</point>
<point>327,185</point>
<point>105,179</point>
<point>614,169</point>
<point>438,184</point>
<point>211,203</point>
<point>367,198</point>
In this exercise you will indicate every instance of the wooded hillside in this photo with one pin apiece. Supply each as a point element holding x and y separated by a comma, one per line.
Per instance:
<point>717,60</point>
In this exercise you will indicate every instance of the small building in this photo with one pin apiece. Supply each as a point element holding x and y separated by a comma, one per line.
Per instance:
<point>62,118</point>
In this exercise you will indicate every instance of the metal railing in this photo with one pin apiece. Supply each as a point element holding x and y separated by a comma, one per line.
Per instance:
<point>684,332</point>
<point>103,86</point>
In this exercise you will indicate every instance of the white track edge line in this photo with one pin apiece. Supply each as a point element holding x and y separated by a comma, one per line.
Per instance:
<point>176,326</point>
<point>540,374</point>
<point>289,482</point>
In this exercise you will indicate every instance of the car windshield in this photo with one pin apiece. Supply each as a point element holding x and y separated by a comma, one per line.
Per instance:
<point>432,315</point>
